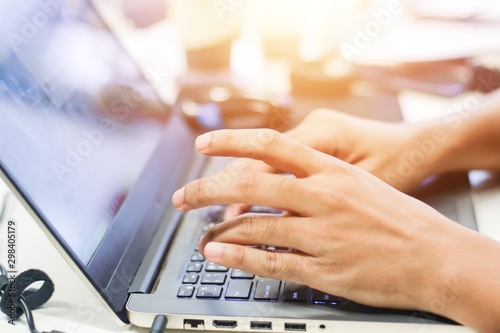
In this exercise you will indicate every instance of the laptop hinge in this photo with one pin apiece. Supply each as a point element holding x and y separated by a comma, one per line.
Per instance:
<point>148,270</point>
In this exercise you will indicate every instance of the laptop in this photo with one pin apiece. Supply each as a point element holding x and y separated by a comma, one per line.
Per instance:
<point>95,156</point>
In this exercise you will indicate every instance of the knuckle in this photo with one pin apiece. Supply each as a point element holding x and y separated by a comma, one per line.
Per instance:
<point>320,114</point>
<point>327,264</point>
<point>196,193</point>
<point>272,229</point>
<point>278,265</point>
<point>265,138</point>
<point>246,182</point>
<point>273,264</point>
<point>210,235</point>
<point>268,138</point>
<point>288,184</point>
<point>240,257</point>
<point>245,225</point>
<point>228,138</point>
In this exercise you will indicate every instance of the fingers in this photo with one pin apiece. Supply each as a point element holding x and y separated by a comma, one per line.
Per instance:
<point>250,165</point>
<point>234,210</point>
<point>279,265</point>
<point>265,229</point>
<point>241,187</point>
<point>271,147</point>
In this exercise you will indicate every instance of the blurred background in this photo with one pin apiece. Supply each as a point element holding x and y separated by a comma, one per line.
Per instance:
<point>355,56</point>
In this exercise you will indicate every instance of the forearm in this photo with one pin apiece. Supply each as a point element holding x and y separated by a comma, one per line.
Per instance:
<point>470,289</point>
<point>467,140</point>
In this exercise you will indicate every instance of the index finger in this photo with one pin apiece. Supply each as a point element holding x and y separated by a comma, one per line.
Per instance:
<point>269,146</point>
<point>252,165</point>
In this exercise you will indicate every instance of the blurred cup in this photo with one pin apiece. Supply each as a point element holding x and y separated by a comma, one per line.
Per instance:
<point>206,29</point>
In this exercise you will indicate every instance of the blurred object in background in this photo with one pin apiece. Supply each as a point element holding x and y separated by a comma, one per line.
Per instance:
<point>470,10</point>
<point>216,107</point>
<point>486,73</point>
<point>278,24</point>
<point>144,13</point>
<point>329,77</point>
<point>448,78</point>
<point>206,29</point>
<point>127,103</point>
<point>305,29</point>
<point>445,78</point>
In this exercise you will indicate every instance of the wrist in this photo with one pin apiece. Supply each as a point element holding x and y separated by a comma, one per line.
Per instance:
<point>466,288</point>
<point>432,144</point>
<point>440,146</point>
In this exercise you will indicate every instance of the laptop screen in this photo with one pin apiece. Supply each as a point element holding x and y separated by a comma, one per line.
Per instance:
<point>78,122</point>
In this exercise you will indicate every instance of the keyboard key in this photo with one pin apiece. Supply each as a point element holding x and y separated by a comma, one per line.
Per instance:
<point>190,278</point>
<point>239,274</point>
<point>216,214</point>
<point>213,278</point>
<point>239,289</point>
<point>194,267</point>
<point>185,291</point>
<point>197,257</point>
<point>267,289</point>
<point>209,292</point>
<point>295,292</point>
<point>211,267</point>
<point>321,297</point>
<point>205,228</point>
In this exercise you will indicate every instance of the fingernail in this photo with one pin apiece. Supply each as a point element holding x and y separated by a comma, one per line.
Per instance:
<point>178,198</point>
<point>213,250</point>
<point>203,141</point>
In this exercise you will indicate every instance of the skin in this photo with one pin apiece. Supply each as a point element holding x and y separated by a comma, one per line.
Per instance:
<point>336,214</point>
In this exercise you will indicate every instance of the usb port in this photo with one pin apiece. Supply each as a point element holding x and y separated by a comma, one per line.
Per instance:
<point>194,324</point>
<point>295,327</point>
<point>261,325</point>
<point>225,323</point>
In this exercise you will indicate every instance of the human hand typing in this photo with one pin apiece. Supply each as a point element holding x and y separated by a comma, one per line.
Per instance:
<point>358,237</point>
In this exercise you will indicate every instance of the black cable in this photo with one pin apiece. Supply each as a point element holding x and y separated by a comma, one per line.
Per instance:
<point>29,315</point>
<point>30,298</point>
<point>159,324</point>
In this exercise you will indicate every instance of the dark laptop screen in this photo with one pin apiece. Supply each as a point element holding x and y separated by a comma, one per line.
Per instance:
<point>78,123</point>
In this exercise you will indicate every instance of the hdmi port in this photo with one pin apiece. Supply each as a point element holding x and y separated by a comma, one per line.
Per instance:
<point>225,323</point>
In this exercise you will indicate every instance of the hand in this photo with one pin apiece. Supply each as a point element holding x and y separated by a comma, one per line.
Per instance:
<point>354,235</point>
<point>392,152</point>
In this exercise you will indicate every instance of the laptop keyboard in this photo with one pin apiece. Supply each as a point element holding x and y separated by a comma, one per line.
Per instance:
<point>206,280</point>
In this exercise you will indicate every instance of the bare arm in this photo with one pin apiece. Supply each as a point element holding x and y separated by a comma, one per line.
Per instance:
<point>470,140</point>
